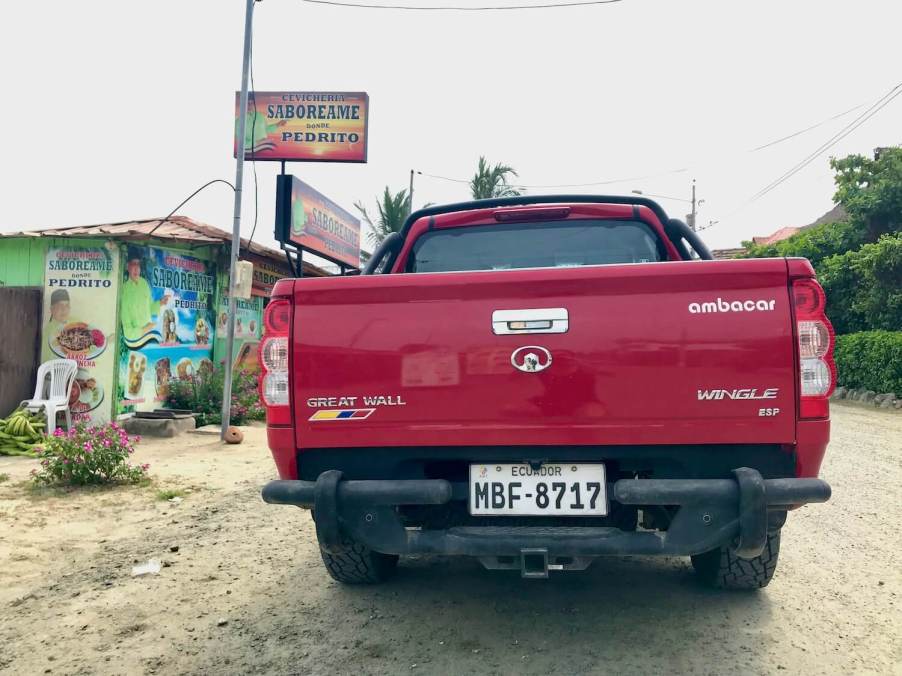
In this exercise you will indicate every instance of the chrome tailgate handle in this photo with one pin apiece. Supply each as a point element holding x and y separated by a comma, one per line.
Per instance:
<point>540,320</point>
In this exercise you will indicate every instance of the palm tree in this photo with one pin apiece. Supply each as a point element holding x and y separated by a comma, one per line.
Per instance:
<point>492,181</point>
<point>393,210</point>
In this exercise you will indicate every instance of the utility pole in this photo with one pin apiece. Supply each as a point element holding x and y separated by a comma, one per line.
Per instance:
<point>694,212</point>
<point>410,194</point>
<point>236,221</point>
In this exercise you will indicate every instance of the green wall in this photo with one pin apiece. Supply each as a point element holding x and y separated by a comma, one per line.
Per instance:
<point>22,261</point>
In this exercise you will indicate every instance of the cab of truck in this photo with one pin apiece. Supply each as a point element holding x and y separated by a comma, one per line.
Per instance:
<point>539,381</point>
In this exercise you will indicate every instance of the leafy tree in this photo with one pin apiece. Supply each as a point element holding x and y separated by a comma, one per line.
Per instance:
<point>871,191</point>
<point>815,243</point>
<point>490,182</point>
<point>864,287</point>
<point>392,209</point>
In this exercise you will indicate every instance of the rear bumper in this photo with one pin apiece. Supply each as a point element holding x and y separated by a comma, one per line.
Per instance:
<point>712,513</point>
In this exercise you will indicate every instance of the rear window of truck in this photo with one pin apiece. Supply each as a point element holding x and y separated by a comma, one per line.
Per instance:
<point>557,244</point>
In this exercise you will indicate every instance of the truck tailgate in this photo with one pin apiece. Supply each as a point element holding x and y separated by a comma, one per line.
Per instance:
<point>659,353</point>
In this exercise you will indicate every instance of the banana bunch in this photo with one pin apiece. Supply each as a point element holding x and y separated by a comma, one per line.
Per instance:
<point>21,432</point>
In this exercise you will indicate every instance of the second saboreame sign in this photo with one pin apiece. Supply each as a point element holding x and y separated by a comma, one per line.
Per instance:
<point>305,126</point>
<point>307,219</point>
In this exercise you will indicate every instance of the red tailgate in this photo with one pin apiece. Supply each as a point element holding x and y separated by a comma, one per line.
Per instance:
<point>659,353</point>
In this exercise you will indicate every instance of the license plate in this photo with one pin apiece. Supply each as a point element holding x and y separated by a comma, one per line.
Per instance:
<point>551,490</point>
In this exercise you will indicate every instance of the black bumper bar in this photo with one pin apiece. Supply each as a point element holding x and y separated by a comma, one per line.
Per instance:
<point>712,513</point>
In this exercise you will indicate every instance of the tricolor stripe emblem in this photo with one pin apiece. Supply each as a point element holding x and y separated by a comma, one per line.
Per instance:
<point>342,414</point>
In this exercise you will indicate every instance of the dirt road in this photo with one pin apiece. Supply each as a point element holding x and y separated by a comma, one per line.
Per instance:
<point>243,589</point>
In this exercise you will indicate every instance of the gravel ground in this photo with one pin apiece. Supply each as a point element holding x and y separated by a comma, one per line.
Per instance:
<point>242,589</point>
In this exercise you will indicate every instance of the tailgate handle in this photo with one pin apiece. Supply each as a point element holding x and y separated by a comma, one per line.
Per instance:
<point>540,320</point>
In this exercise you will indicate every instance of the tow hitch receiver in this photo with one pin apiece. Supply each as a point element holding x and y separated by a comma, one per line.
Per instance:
<point>534,563</point>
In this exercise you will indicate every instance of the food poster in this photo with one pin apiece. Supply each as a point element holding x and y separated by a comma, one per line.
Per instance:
<point>166,303</point>
<point>79,322</point>
<point>248,329</point>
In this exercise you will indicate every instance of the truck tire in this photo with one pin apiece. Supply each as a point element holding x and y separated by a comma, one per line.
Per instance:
<point>357,564</point>
<point>721,568</point>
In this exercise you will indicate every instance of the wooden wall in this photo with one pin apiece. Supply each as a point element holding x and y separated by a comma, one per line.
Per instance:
<point>20,335</point>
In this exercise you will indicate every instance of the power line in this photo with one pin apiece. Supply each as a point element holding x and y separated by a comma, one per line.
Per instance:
<point>807,129</point>
<point>457,8</point>
<point>670,172</point>
<point>875,108</point>
<point>565,185</point>
<point>187,199</point>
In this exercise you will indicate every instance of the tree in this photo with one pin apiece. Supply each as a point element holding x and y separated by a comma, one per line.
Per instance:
<point>864,287</point>
<point>816,243</point>
<point>392,209</point>
<point>490,182</point>
<point>871,191</point>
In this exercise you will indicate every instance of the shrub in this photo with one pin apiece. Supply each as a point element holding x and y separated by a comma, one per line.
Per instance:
<point>88,455</point>
<point>202,394</point>
<point>871,360</point>
<point>864,287</point>
<point>816,243</point>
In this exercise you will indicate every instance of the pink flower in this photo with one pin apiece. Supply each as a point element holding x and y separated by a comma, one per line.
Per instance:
<point>88,447</point>
<point>145,466</point>
<point>57,432</point>
<point>106,443</point>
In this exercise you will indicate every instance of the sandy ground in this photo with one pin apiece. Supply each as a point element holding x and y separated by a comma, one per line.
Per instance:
<point>242,589</point>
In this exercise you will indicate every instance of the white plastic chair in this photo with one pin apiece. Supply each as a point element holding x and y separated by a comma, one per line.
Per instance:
<point>54,398</point>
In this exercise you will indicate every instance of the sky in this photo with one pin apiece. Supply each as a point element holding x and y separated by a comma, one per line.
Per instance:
<point>117,111</point>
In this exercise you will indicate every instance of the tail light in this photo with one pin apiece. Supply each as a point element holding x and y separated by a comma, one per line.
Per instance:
<point>274,385</point>
<point>817,370</point>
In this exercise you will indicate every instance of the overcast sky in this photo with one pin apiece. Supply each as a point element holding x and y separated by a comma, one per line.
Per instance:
<point>118,110</point>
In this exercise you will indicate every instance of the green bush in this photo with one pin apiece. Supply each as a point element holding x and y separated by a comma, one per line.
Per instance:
<point>88,455</point>
<point>815,244</point>
<point>871,360</point>
<point>864,287</point>
<point>202,394</point>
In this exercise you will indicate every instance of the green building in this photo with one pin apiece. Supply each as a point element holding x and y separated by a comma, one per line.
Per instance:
<point>137,304</point>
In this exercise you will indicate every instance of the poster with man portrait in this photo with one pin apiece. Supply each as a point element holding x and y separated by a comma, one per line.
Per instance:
<point>166,314</point>
<point>79,322</point>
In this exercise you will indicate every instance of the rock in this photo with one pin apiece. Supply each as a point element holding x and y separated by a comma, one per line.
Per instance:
<point>221,622</point>
<point>174,548</point>
<point>868,396</point>
<point>839,393</point>
<point>889,401</point>
<point>879,399</point>
<point>233,436</point>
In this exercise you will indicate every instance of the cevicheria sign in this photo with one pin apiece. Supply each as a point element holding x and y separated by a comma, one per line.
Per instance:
<point>308,220</point>
<point>305,126</point>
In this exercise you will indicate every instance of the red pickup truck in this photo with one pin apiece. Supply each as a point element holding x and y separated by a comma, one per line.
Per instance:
<point>540,381</point>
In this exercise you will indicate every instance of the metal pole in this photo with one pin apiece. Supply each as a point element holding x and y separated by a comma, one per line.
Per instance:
<point>410,194</point>
<point>236,220</point>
